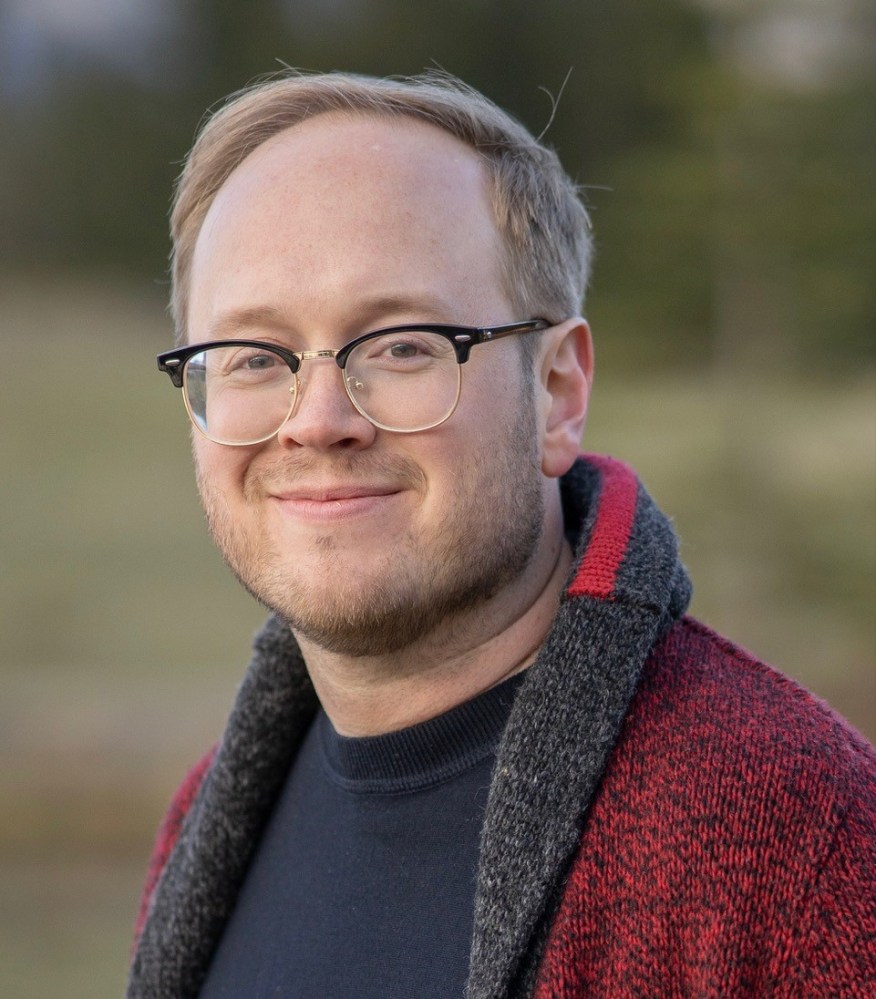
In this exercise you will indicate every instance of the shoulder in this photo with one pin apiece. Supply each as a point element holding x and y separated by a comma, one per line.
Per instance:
<point>712,703</point>
<point>743,746</point>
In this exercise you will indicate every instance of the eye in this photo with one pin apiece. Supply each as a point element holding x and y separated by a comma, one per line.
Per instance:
<point>404,350</point>
<point>248,365</point>
<point>405,346</point>
<point>251,359</point>
<point>258,362</point>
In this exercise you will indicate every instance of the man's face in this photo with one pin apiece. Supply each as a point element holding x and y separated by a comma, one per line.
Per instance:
<point>363,539</point>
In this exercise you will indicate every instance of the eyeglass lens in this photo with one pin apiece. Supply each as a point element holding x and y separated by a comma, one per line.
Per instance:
<point>404,381</point>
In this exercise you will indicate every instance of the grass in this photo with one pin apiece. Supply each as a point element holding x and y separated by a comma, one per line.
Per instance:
<point>65,927</point>
<point>122,636</point>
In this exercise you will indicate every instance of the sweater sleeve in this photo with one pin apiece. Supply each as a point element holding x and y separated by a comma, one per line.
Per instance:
<point>168,834</point>
<point>835,947</point>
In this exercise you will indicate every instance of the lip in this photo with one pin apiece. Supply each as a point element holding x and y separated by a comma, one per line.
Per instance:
<point>334,502</point>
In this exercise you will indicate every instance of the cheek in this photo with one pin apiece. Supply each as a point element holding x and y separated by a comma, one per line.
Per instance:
<point>219,468</point>
<point>457,465</point>
<point>494,382</point>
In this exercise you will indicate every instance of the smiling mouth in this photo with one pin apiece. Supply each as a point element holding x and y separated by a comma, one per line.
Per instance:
<point>335,503</point>
<point>334,494</point>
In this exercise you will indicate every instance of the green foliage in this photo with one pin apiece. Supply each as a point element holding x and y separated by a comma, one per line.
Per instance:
<point>735,215</point>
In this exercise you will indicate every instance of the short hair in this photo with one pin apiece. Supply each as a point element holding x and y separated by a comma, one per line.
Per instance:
<point>540,218</point>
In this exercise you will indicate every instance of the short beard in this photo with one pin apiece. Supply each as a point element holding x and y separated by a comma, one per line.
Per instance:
<point>489,544</point>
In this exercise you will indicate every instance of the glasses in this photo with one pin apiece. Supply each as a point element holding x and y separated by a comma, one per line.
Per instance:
<point>402,379</point>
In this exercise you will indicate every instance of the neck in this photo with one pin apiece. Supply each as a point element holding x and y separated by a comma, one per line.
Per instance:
<point>374,695</point>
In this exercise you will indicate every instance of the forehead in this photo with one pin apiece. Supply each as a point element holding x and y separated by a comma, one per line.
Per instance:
<point>355,147</point>
<point>356,199</point>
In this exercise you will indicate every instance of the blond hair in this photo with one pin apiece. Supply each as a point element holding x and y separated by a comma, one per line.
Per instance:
<point>543,225</point>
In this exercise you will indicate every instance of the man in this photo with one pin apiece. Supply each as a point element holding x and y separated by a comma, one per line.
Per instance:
<point>479,749</point>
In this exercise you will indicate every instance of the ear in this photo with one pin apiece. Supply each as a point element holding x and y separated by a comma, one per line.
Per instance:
<point>566,378</point>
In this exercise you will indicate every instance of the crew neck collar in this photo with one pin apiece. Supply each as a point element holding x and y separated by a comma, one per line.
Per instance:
<point>423,755</point>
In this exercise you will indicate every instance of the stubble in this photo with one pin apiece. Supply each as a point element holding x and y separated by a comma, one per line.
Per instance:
<point>492,526</point>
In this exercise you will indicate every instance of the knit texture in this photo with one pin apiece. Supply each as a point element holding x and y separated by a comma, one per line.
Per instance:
<point>667,816</point>
<point>731,850</point>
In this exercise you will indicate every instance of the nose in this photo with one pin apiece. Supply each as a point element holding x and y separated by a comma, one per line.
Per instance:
<point>324,417</point>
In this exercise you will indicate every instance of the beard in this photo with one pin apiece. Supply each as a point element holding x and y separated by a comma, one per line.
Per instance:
<point>420,585</point>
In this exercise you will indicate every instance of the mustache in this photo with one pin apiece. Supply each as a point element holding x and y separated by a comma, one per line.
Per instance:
<point>288,468</point>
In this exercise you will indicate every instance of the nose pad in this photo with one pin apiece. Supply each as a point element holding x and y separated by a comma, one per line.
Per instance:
<point>289,406</point>
<point>357,391</point>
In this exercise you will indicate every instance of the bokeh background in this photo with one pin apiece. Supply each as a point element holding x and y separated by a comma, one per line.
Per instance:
<point>726,148</point>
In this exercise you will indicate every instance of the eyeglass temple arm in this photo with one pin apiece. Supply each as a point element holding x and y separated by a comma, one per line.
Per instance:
<point>484,335</point>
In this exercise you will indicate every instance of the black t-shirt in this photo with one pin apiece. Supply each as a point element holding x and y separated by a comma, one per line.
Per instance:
<point>363,882</point>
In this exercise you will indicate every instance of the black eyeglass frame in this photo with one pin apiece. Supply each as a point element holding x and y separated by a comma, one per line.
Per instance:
<point>461,338</point>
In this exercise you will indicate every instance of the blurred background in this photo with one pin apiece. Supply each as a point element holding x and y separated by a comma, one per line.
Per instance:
<point>726,148</point>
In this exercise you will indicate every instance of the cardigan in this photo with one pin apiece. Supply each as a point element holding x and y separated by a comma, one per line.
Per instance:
<point>667,815</point>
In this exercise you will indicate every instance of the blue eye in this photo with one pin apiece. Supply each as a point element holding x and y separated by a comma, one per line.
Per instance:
<point>258,362</point>
<point>403,350</point>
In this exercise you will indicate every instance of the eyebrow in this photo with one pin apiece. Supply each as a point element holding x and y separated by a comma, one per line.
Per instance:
<point>425,307</point>
<point>232,324</point>
<point>418,308</point>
